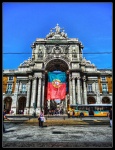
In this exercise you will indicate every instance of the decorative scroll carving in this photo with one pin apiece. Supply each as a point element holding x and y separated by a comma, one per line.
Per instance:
<point>26,62</point>
<point>48,49</point>
<point>57,50</point>
<point>40,53</point>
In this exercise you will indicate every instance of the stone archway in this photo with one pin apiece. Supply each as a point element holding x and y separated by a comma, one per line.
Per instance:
<point>91,100</point>
<point>7,104</point>
<point>106,100</point>
<point>57,64</point>
<point>54,65</point>
<point>21,105</point>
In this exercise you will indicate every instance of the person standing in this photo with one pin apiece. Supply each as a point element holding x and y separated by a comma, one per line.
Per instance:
<point>4,117</point>
<point>73,115</point>
<point>110,116</point>
<point>41,119</point>
<point>68,114</point>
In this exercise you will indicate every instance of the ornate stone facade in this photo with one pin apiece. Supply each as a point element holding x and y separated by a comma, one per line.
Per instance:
<point>56,52</point>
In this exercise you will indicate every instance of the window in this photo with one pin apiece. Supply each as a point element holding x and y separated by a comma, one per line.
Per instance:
<point>23,87</point>
<point>104,88</point>
<point>9,87</point>
<point>103,78</point>
<point>10,77</point>
<point>89,87</point>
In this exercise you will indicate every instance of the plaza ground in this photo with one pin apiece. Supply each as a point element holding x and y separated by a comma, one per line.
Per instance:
<point>57,134</point>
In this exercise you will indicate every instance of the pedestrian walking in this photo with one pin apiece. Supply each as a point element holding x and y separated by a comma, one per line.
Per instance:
<point>73,114</point>
<point>41,119</point>
<point>4,117</point>
<point>110,116</point>
<point>68,114</point>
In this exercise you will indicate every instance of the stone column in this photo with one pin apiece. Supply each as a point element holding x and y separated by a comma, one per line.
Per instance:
<point>70,90</point>
<point>64,106</point>
<point>17,87</point>
<point>39,95</point>
<point>48,104</point>
<point>78,91</point>
<point>94,87</point>
<point>66,101</point>
<point>33,98</point>
<point>43,85</point>
<point>20,86</point>
<point>84,91</point>
<point>97,93</point>
<point>28,95</point>
<point>15,101</point>
<point>73,90</point>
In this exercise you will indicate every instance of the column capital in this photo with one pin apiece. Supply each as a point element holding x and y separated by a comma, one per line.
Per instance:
<point>46,71</point>
<point>73,78</point>
<point>30,78</point>
<point>84,79</point>
<point>43,76</point>
<point>95,81</point>
<point>78,78</point>
<point>34,78</point>
<point>17,81</point>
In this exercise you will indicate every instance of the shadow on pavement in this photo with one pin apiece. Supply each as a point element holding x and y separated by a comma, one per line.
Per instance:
<point>9,131</point>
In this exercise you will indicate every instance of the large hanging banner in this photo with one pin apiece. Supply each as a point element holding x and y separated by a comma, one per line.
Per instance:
<point>56,85</point>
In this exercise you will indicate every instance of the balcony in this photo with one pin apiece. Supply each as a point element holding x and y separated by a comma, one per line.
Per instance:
<point>8,92</point>
<point>90,93</point>
<point>23,92</point>
<point>105,92</point>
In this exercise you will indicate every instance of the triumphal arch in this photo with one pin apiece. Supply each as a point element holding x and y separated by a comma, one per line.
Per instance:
<point>55,52</point>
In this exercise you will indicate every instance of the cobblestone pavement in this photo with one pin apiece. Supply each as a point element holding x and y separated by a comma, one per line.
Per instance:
<point>32,136</point>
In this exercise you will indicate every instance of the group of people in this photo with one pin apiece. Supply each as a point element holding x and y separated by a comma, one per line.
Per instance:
<point>20,111</point>
<point>55,112</point>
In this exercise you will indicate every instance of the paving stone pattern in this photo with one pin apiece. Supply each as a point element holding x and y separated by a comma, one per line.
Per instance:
<point>32,136</point>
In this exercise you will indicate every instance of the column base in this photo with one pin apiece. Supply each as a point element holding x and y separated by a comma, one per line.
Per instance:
<point>38,110</point>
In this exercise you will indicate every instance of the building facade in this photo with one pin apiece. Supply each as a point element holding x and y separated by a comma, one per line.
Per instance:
<point>25,89</point>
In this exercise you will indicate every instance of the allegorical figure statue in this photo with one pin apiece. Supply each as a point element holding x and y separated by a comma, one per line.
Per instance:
<point>57,29</point>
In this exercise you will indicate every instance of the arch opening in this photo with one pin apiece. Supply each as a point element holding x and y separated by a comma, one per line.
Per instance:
<point>55,65</point>
<point>21,105</point>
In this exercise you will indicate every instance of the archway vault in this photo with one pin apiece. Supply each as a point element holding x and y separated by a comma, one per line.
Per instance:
<point>57,64</point>
<point>54,65</point>
<point>7,104</point>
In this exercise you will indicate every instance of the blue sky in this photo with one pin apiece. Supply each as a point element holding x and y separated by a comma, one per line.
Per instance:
<point>90,22</point>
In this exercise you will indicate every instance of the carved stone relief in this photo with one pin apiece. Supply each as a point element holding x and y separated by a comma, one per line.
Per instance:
<point>40,52</point>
